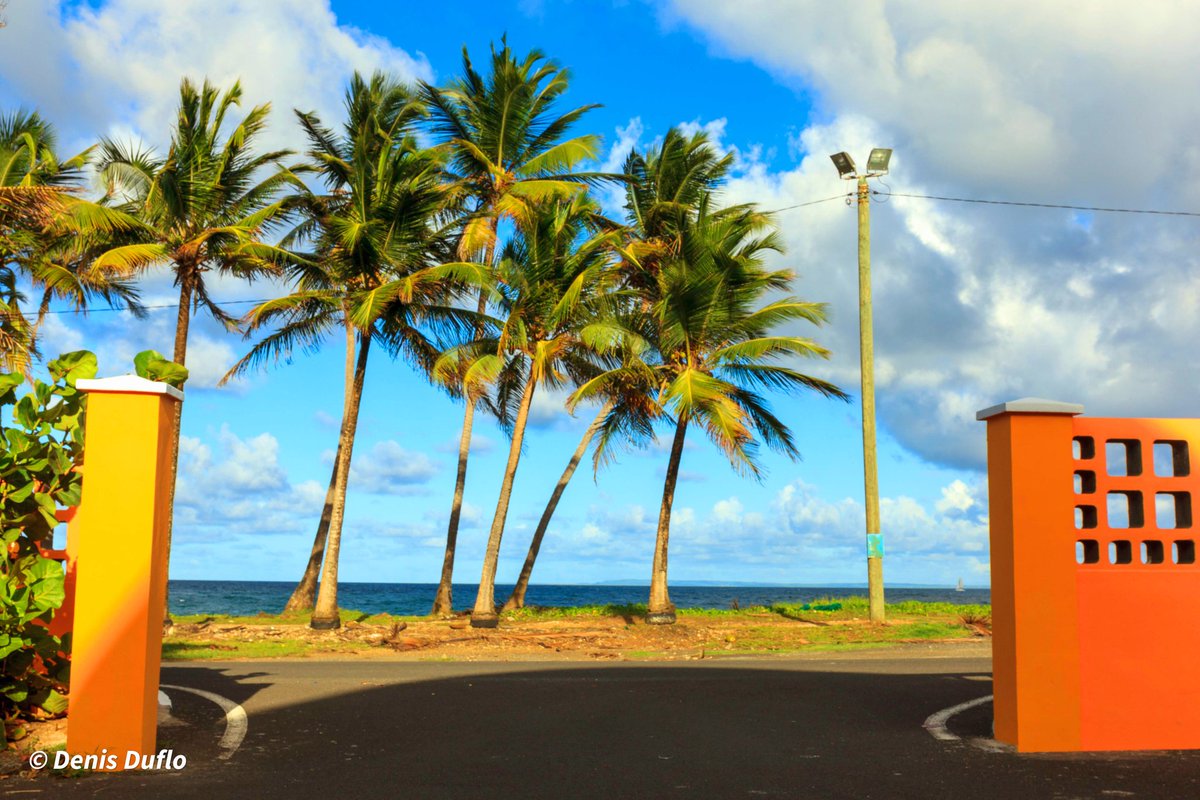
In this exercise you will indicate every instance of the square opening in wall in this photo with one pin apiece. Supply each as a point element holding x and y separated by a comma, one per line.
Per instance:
<point>1123,457</point>
<point>1152,552</point>
<point>1085,481</point>
<point>1125,510</point>
<point>1087,551</point>
<point>1083,447</point>
<point>1170,458</point>
<point>1085,517</point>
<point>1173,510</point>
<point>1120,552</point>
<point>1183,551</point>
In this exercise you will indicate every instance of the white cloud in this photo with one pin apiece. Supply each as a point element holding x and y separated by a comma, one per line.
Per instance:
<point>237,486</point>
<point>979,304</point>
<point>799,537</point>
<point>955,497</point>
<point>122,60</point>
<point>390,469</point>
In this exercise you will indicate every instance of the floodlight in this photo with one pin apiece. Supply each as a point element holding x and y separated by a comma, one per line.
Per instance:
<point>844,164</point>
<point>878,162</point>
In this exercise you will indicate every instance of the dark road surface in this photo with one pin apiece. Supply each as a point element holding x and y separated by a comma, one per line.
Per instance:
<point>827,729</point>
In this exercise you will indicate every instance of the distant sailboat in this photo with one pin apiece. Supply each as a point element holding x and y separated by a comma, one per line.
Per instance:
<point>959,588</point>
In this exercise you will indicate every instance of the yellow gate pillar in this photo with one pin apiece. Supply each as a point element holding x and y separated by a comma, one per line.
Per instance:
<point>121,568</point>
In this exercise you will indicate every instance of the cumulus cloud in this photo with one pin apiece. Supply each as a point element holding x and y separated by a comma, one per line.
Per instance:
<point>238,486</point>
<point>390,469</point>
<point>798,537</point>
<point>123,59</point>
<point>1026,101</point>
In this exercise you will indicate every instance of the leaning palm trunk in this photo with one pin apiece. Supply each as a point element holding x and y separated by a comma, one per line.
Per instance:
<point>325,614</point>
<point>661,610</point>
<point>182,322</point>
<point>304,596</point>
<point>517,598</point>
<point>443,602</point>
<point>484,613</point>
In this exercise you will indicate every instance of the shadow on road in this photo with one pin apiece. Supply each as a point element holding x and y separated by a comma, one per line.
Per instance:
<point>420,730</point>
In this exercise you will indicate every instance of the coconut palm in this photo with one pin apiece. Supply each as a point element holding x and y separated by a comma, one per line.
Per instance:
<point>555,301</point>
<point>49,235</point>
<point>664,187</point>
<point>711,348</point>
<point>507,143</point>
<point>378,270</point>
<point>205,207</point>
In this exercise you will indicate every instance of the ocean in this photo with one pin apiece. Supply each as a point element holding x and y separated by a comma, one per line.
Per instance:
<point>250,597</point>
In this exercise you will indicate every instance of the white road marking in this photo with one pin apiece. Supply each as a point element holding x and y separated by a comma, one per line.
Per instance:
<point>936,724</point>
<point>235,719</point>
<point>165,718</point>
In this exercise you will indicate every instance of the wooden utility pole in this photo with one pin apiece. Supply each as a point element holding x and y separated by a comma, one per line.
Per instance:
<point>866,349</point>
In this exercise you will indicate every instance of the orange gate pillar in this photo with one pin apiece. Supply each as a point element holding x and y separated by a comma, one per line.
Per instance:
<point>121,568</point>
<point>1035,653</point>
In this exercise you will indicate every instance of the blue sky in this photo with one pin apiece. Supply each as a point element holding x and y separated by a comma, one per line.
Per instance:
<point>974,304</point>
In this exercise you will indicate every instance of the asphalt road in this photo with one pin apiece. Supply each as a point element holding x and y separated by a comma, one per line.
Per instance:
<point>828,729</point>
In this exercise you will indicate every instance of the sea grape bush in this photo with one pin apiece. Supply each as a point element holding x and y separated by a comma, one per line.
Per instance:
<point>41,450</point>
<point>41,444</point>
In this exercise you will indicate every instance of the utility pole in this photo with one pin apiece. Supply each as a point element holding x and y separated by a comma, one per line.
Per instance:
<point>877,165</point>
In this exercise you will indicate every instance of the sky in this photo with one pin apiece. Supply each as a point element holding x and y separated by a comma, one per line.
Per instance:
<point>1074,103</point>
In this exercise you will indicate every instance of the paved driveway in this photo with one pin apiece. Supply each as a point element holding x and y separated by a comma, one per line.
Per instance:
<point>826,729</point>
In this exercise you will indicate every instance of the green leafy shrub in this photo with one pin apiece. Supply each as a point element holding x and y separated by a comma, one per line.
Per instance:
<point>41,434</point>
<point>41,444</point>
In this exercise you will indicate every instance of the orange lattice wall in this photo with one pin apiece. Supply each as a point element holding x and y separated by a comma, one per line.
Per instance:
<point>1095,584</point>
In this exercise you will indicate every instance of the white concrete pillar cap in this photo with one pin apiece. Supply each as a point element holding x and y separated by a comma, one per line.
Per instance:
<point>127,384</point>
<point>1031,405</point>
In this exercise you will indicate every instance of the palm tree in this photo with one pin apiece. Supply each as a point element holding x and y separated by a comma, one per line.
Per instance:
<point>554,283</point>
<point>506,141</point>
<point>711,349</point>
<point>205,207</point>
<point>664,187</point>
<point>378,268</point>
<point>49,234</point>
<point>517,598</point>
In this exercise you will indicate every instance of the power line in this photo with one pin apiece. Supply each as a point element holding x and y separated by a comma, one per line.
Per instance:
<point>874,192</point>
<point>878,193</point>
<point>149,308</point>
<point>812,202</point>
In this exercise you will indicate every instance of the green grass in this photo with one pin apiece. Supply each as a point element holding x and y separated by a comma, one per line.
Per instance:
<point>850,608</point>
<point>185,650</point>
<point>288,618</point>
<point>572,612</point>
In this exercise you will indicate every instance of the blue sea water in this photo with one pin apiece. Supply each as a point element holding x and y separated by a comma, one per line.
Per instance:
<point>251,597</point>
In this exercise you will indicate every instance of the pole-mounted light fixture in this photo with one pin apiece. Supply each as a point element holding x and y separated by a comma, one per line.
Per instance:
<point>877,164</point>
<point>845,165</point>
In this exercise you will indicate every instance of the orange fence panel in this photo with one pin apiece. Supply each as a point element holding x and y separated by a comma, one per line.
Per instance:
<point>1095,585</point>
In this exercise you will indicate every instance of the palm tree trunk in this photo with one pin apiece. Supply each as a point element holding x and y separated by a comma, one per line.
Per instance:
<point>182,322</point>
<point>325,614</point>
<point>443,601</point>
<point>517,598</point>
<point>661,611</point>
<point>36,329</point>
<point>304,596</point>
<point>484,613</point>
